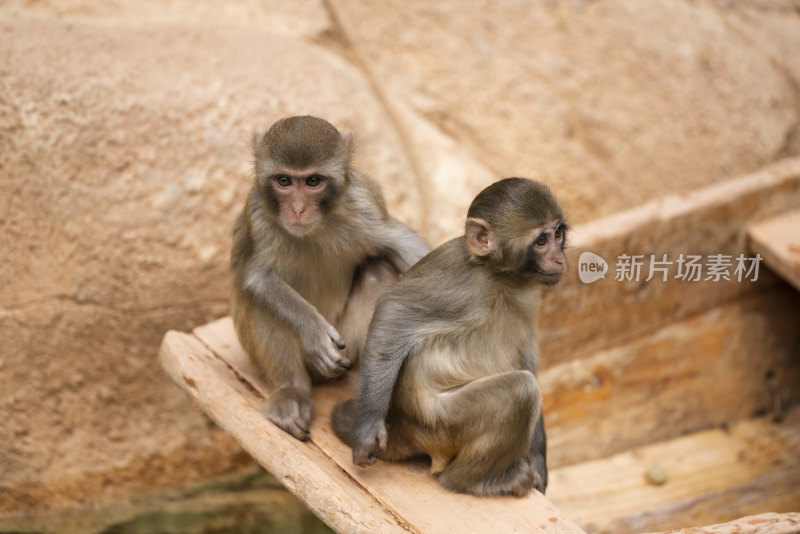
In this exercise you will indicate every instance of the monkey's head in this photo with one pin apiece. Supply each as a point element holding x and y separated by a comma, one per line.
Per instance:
<point>516,226</point>
<point>302,166</point>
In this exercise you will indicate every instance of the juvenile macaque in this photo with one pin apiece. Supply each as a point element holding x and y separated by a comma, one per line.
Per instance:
<point>311,249</point>
<point>449,368</point>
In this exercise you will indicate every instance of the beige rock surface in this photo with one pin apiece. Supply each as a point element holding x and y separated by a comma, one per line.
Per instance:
<point>611,102</point>
<point>123,161</point>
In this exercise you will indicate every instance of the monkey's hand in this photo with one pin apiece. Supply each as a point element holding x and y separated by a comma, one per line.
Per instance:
<point>368,442</point>
<point>324,346</point>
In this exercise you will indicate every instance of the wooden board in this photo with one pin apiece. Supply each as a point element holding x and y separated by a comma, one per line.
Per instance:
<point>769,523</point>
<point>778,241</point>
<point>578,319</point>
<point>213,369</point>
<point>724,365</point>
<point>233,403</point>
<point>713,476</point>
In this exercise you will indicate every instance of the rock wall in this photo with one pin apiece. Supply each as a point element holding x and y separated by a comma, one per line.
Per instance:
<point>124,131</point>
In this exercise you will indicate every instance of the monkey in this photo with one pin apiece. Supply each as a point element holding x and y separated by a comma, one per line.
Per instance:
<point>312,248</point>
<point>449,367</point>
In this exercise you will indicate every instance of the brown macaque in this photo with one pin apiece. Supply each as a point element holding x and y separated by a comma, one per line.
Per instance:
<point>311,250</point>
<point>449,367</point>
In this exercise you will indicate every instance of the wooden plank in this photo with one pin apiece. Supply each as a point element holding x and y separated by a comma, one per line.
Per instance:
<point>724,365</point>
<point>579,319</point>
<point>778,241</point>
<point>407,490</point>
<point>713,476</point>
<point>302,467</point>
<point>769,523</point>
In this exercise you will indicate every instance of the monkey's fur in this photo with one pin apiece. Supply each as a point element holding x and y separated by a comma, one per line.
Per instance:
<point>450,361</point>
<point>311,249</point>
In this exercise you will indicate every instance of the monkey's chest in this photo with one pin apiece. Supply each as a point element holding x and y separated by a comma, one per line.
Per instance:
<point>481,353</point>
<point>322,282</point>
<point>327,293</point>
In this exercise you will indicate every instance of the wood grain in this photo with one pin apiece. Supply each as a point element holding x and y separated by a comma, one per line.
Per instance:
<point>778,242</point>
<point>769,523</point>
<point>709,370</point>
<point>230,400</point>
<point>405,493</point>
<point>579,319</point>
<point>713,476</point>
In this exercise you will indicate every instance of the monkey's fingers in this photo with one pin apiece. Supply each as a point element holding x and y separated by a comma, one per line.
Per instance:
<point>331,363</point>
<point>336,337</point>
<point>339,342</point>
<point>340,362</point>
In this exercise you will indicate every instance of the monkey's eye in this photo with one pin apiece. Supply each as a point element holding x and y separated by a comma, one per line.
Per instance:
<point>314,180</point>
<point>283,181</point>
<point>559,233</point>
<point>541,240</point>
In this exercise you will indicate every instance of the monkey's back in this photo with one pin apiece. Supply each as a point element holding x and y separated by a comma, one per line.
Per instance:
<point>466,324</point>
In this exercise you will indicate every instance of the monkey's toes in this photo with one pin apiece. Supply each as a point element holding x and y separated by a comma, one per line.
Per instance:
<point>522,478</point>
<point>537,482</point>
<point>294,425</point>
<point>290,412</point>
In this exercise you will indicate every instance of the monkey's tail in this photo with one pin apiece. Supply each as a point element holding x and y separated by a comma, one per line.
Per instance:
<point>342,421</point>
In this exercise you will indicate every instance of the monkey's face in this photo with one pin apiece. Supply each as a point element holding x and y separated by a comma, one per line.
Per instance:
<point>535,253</point>
<point>544,258</point>
<point>300,200</point>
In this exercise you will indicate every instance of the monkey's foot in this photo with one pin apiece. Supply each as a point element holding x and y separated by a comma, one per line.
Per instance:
<point>518,481</point>
<point>290,408</point>
<point>539,466</point>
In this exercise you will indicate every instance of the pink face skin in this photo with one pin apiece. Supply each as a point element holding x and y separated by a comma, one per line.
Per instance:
<point>548,246</point>
<point>299,196</point>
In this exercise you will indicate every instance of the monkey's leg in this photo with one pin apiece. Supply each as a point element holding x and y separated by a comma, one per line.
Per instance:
<point>538,455</point>
<point>490,424</point>
<point>277,353</point>
<point>368,282</point>
<point>289,403</point>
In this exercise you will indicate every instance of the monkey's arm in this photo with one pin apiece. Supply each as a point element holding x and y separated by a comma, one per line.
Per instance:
<point>538,452</point>
<point>269,292</point>
<point>380,367</point>
<point>530,356</point>
<point>404,247</point>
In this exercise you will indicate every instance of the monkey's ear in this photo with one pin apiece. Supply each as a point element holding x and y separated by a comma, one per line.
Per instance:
<point>349,140</point>
<point>480,237</point>
<point>256,141</point>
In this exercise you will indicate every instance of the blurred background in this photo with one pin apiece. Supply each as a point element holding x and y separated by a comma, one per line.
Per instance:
<point>124,159</point>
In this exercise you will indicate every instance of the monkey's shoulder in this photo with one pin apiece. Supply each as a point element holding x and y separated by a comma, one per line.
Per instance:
<point>364,197</point>
<point>371,189</point>
<point>449,258</point>
<point>441,293</point>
